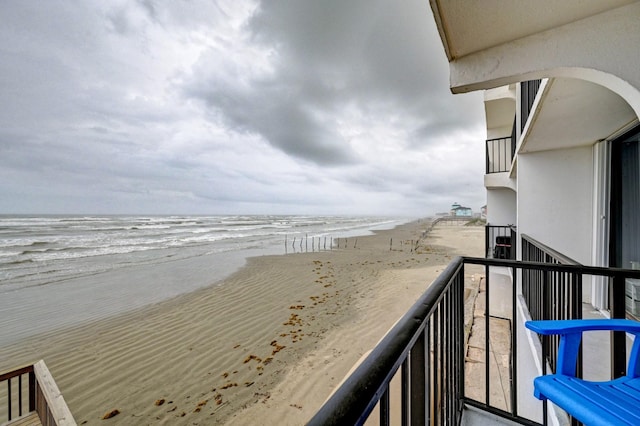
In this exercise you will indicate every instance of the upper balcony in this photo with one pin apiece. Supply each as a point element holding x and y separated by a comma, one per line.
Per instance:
<point>567,113</point>
<point>499,160</point>
<point>500,110</point>
<point>502,117</point>
<point>499,154</point>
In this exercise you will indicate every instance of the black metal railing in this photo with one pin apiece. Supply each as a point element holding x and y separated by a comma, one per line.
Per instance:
<point>428,347</point>
<point>551,295</point>
<point>500,241</point>
<point>528,91</point>
<point>429,344</point>
<point>548,295</point>
<point>499,154</point>
<point>513,138</point>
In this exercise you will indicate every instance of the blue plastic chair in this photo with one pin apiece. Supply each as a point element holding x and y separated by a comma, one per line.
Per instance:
<point>615,402</point>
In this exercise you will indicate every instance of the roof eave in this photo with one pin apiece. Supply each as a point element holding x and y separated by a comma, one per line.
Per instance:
<point>442,30</point>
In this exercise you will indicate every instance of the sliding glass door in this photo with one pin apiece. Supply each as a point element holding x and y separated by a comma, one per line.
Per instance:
<point>624,249</point>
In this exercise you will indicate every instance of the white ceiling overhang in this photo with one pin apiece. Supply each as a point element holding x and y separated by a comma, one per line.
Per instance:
<point>471,26</point>
<point>492,43</point>
<point>581,112</point>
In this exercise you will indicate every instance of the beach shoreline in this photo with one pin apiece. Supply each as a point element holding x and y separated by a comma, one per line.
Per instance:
<point>270,341</point>
<point>110,266</point>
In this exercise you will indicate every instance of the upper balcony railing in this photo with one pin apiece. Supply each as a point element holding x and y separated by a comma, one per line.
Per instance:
<point>528,91</point>
<point>428,347</point>
<point>499,154</point>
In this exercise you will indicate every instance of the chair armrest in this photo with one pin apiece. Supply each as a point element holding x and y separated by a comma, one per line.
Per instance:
<point>578,326</point>
<point>570,332</point>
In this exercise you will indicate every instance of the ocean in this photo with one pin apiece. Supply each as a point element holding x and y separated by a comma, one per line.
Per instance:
<point>60,271</point>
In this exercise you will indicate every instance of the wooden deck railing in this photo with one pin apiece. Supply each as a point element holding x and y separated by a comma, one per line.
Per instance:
<point>11,377</point>
<point>31,389</point>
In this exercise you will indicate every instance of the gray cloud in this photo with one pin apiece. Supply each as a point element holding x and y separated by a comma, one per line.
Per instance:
<point>375,50</point>
<point>200,106</point>
<point>370,55</point>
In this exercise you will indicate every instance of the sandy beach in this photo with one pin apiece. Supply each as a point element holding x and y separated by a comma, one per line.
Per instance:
<point>265,346</point>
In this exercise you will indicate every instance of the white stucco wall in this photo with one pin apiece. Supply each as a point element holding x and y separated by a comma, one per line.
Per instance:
<point>555,200</point>
<point>501,207</point>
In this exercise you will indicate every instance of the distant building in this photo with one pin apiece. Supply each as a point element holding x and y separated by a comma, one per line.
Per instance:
<point>458,210</point>
<point>483,212</point>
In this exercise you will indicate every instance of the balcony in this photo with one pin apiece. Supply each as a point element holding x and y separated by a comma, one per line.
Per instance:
<point>500,242</point>
<point>499,154</point>
<point>444,353</point>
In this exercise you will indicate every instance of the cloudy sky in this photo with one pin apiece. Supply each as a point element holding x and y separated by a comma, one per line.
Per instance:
<point>232,107</point>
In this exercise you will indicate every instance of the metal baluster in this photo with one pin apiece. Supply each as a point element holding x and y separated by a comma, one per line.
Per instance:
<point>486,337</point>
<point>20,395</point>
<point>618,338</point>
<point>404,393</point>
<point>384,408</point>
<point>9,398</point>
<point>417,384</point>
